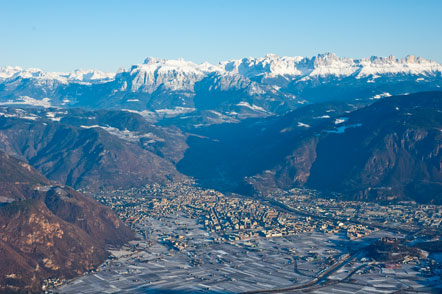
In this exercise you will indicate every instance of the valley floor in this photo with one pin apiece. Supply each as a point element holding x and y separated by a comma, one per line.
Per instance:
<point>159,265</point>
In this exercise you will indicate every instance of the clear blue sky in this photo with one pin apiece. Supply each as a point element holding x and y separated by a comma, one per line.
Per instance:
<point>64,35</point>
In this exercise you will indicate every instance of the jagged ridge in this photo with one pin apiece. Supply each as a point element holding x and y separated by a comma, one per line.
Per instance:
<point>236,88</point>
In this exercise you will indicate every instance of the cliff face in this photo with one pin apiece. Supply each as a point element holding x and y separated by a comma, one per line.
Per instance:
<point>49,230</point>
<point>232,90</point>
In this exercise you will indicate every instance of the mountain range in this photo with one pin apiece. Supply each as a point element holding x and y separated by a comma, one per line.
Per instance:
<point>387,151</point>
<point>364,129</point>
<point>92,149</point>
<point>227,92</point>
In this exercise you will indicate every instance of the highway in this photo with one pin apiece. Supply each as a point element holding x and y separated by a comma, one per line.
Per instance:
<point>320,277</point>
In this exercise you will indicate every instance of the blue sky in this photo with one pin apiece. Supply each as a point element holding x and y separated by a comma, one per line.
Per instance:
<point>65,35</point>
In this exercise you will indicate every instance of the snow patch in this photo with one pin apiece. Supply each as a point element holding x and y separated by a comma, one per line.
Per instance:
<point>26,100</point>
<point>21,114</point>
<point>77,76</point>
<point>300,124</point>
<point>126,134</point>
<point>341,120</point>
<point>379,96</point>
<point>53,115</point>
<point>174,112</point>
<point>253,106</point>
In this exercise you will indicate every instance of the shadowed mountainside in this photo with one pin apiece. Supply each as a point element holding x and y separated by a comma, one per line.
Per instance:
<point>94,150</point>
<point>389,150</point>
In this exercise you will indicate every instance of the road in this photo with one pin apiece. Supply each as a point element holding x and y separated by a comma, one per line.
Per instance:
<point>275,203</point>
<point>320,277</point>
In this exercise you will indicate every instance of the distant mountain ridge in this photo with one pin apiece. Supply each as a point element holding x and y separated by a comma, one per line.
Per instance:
<point>78,75</point>
<point>269,66</point>
<point>236,89</point>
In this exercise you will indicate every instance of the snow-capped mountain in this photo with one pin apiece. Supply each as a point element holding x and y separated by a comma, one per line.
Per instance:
<point>80,76</point>
<point>178,74</point>
<point>239,88</point>
<point>173,75</point>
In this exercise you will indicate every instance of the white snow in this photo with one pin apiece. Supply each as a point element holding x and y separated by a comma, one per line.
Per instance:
<point>174,75</point>
<point>148,115</point>
<point>90,75</point>
<point>174,112</point>
<point>180,76</point>
<point>377,66</point>
<point>53,115</point>
<point>270,66</point>
<point>341,120</point>
<point>300,124</point>
<point>29,117</point>
<point>126,134</point>
<point>65,101</point>
<point>79,76</point>
<point>383,95</point>
<point>8,115</point>
<point>215,113</point>
<point>26,100</point>
<point>329,65</point>
<point>20,113</point>
<point>253,106</point>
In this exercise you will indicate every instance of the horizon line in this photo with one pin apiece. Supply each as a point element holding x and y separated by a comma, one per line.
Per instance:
<point>122,68</point>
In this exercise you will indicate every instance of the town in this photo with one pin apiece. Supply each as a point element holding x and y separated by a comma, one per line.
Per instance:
<point>235,217</point>
<point>193,239</point>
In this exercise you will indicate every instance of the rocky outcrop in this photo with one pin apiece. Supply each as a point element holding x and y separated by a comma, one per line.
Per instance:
<point>48,230</point>
<point>248,87</point>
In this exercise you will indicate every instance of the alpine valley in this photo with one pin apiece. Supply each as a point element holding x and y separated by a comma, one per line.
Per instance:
<point>366,129</point>
<point>242,126</point>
